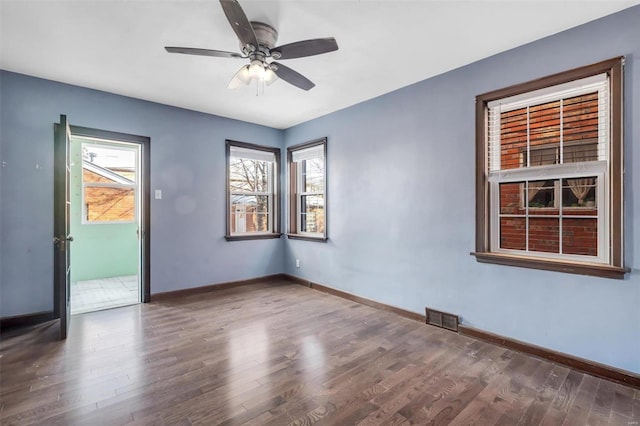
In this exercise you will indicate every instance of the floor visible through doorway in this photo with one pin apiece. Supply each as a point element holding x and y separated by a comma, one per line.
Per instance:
<point>93,295</point>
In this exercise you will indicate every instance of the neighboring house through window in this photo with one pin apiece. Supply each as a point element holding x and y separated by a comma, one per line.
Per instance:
<point>550,173</point>
<point>253,173</point>
<point>109,176</point>
<point>307,190</point>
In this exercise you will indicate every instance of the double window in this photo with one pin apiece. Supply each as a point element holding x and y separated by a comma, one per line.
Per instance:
<point>253,206</point>
<point>549,173</point>
<point>307,192</point>
<point>253,173</point>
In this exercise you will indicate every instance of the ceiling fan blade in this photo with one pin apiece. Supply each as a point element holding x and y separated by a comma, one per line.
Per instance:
<point>239,22</point>
<point>292,77</point>
<point>203,52</point>
<point>300,49</point>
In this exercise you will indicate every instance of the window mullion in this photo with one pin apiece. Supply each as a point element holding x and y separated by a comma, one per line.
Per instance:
<point>560,215</point>
<point>561,156</point>
<point>526,210</point>
<point>528,138</point>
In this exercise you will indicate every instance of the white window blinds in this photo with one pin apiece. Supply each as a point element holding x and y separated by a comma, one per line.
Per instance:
<point>519,124</point>
<point>308,153</point>
<point>252,154</point>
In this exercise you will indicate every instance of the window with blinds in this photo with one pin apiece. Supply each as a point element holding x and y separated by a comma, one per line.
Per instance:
<point>307,212</point>
<point>252,202</point>
<point>566,125</point>
<point>547,153</point>
<point>551,171</point>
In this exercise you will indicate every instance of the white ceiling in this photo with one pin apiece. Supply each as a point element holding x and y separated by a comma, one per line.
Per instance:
<point>117,46</point>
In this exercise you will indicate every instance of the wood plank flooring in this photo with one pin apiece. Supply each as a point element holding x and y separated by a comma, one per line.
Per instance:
<point>280,354</point>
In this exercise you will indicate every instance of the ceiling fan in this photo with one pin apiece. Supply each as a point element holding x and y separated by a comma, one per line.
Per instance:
<point>257,43</point>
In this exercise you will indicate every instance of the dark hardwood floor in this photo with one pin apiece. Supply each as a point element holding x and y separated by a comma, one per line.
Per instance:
<point>278,354</point>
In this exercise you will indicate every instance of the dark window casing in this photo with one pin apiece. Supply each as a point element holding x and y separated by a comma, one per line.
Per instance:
<point>275,214</point>
<point>293,193</point>
<point>483,251</point>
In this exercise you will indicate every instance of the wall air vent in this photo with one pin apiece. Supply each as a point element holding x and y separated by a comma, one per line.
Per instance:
<point>442,319</point>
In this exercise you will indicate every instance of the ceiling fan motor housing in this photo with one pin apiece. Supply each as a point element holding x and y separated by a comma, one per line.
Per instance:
<point>265,34</point>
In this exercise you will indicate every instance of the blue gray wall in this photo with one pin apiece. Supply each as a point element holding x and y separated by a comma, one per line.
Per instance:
<point>188,248</point>
<point>401,205</point>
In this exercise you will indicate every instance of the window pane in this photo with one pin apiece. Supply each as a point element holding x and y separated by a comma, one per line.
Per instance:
<point>260,222</point>
<point>513,233</point>
<point>108,164</point>
<point>313,175</point>
<point>544,124</point>
<point>510,198</point>
<point>249,213</point>
<point>544,234</point>
<point>581,152</point>
<point>513,138</point>
<point>104,204</point>
<point>541,156</point>
<point>312,213</point>
<point>541,194</point>
<point>580,236</point>
<point>248,175</point>
<point>540,126</point>
<point>580,192</point>
<point>580,118</point>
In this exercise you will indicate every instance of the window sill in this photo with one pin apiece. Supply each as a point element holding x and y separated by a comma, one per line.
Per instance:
<point>251,237</point>
<point>593,269</point>
<point>307,238</point>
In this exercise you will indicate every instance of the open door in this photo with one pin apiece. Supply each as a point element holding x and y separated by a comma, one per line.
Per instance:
<point>61,226</point>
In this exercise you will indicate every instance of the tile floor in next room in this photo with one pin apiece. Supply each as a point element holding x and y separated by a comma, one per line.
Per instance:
<point>92,295</point>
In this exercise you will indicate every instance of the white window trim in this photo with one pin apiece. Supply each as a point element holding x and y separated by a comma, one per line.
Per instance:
<point>309,154</point>
<point>299,212</point>
<point>588,169</point>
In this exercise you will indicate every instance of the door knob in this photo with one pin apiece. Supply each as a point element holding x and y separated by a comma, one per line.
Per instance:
<point>69,237</point>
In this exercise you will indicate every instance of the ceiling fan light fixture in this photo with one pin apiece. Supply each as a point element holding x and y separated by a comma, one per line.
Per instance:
<point>241,78</point>
<point>270,77</point>
<point>257,69</point>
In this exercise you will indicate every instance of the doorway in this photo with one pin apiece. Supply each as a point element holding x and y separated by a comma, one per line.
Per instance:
<point>107,215</point>
<point>126,181</point>
<point>105,222</point>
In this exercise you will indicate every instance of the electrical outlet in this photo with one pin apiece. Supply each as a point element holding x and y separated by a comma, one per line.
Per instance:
<point>297,263</point>
<point>158,194</point>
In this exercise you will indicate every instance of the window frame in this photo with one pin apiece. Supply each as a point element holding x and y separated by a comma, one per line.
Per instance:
<point>485,250</point>
<point>116,145</point>
<point>295,193</point>
<point>274,183</point>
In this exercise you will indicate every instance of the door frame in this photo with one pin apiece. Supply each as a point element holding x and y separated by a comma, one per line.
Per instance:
<point>145,217</point>
<point>145,194</point>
